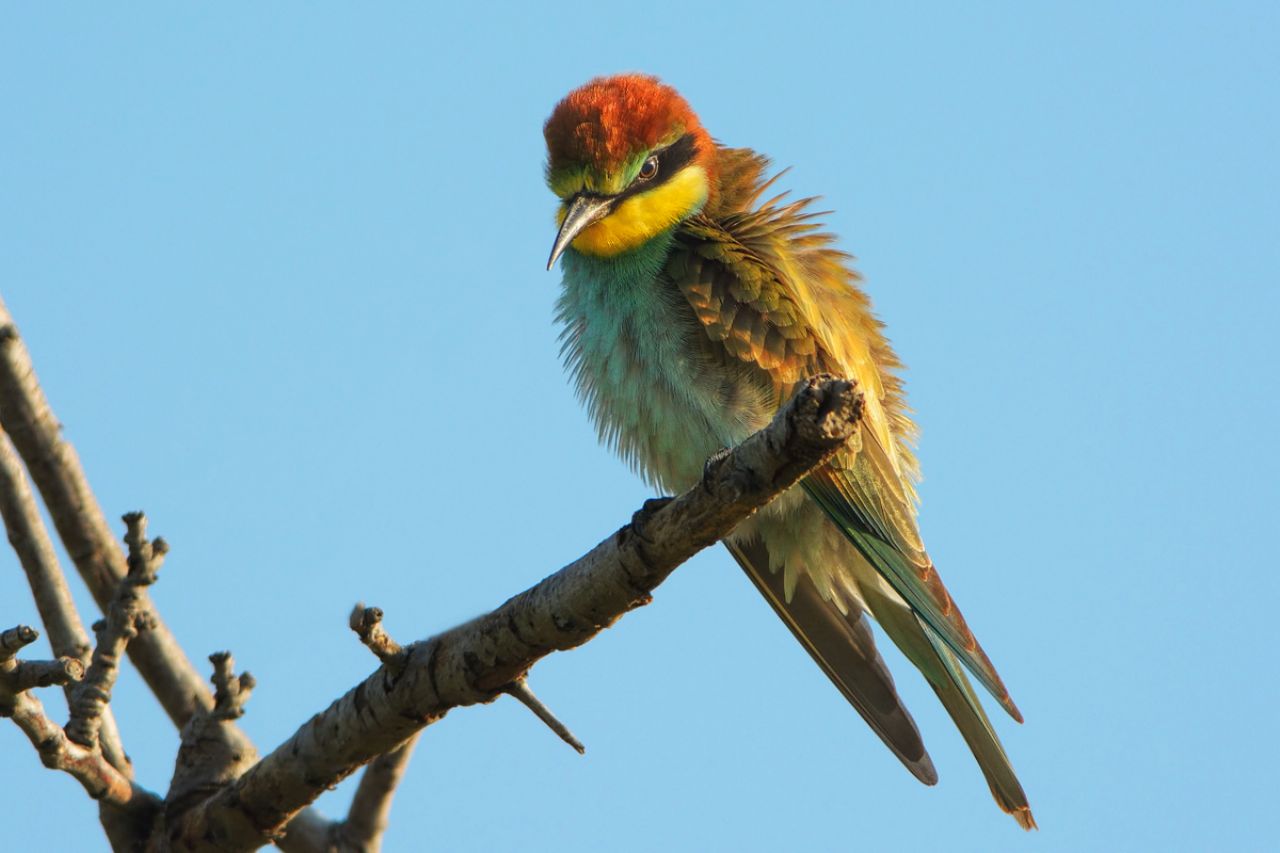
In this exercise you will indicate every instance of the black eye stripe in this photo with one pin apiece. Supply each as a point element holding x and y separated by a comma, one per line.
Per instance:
<point>671,160</point>
<point>677,155</point>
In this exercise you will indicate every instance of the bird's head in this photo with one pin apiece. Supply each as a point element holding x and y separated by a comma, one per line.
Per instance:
<point>629,160</point>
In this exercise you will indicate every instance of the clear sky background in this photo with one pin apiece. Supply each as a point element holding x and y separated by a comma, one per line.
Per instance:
<point>281,271</point>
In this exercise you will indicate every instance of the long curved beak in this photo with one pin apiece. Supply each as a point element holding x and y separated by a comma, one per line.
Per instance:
<point>584,211</point>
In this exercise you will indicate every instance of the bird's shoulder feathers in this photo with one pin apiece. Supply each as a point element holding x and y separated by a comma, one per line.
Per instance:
<point>767,284</point>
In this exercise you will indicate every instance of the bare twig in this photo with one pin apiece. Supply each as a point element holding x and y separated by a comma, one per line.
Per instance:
<point>231,691</point>
<point>88,766</point>
<point>48,584</point>
<point>308,832</point>
<point>17,676</point>
<point>58,752</point>
<point>472,663</point>
<point>214,751</point>
<point>367,623</point>
<point>370,808</point>
<point>128,614</point>
<point>13,640</point>
<point>519,689</point>
<point>55,469</point>
<point>45,673</point>
<point>35,552</point>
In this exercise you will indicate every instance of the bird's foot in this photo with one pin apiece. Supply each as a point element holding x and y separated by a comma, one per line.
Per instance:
<point>713,462</point>
<point>641,516</point>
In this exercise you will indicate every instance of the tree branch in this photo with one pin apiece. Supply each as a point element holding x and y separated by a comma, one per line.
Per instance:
<point>213,751</point>
<point>370,809</point>
<point>474,662</point>
<point>88,766</point>
<point>17,676</point>
<point>520,691</point>
<point>240,803</point>
<point>35,552</point>
<point>231,691</point>
<point>128,614</point>
<point>94,773</point>
<point>57,609</point>
<point>367,623</point>
<point>55,468</point>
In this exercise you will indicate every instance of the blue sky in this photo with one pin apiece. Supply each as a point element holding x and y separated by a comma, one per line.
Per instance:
<point>281,273</point>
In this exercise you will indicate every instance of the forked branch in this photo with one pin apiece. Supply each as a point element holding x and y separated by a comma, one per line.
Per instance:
<point>95,774</point>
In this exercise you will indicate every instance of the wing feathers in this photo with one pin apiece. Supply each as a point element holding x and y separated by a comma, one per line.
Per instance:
<point>845,649</point>
<point>774,295</point>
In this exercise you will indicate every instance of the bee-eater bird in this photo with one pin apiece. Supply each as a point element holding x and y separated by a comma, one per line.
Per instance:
<point>690,308</point>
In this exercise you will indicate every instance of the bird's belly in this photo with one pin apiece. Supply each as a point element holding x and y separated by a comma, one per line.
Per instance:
<point>661,410</point>
<point>648,376</point>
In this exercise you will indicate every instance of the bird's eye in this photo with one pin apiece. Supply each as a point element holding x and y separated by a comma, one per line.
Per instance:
<point>648,170</point>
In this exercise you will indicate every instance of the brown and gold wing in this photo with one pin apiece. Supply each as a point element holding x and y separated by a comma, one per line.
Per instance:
<point>765,285</point>
<point>768,288</point>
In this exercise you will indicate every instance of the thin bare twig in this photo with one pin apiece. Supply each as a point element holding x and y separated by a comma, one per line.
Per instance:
<point>370,811</point>
<point>18,676</point>
<point>102,781</point>
<point>14,639</point>
<point>519,689</point>
<point>472,663</point>
<point>231,691</point>
<point>35,552</point>
<point>46,673</point>
<point>367,623</point>
<point>39,561</point>
<point>128,614</point>
<point>88,766</point>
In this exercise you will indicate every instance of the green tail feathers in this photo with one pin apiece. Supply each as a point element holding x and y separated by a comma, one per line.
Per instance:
<point>832,491</point>
<point>933,657</point>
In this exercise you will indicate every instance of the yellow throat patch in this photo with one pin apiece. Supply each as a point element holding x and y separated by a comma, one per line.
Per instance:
<point>644,215</point>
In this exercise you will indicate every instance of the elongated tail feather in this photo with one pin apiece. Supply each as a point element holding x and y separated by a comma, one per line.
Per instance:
<point>844,647</point>
<point>924,648</point>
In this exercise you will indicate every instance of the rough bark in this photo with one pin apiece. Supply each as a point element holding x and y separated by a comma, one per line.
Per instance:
<point>474,662</point>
